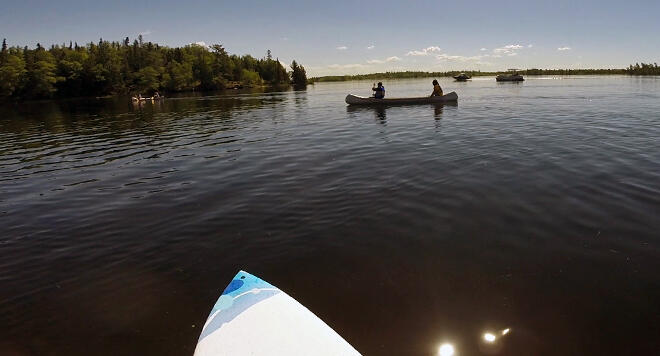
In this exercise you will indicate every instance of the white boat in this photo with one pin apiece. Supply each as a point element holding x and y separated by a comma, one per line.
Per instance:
<point>361,100</point>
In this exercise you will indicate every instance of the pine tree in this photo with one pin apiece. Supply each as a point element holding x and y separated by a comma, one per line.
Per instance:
<point>298,74</point>
<point>3,54</point>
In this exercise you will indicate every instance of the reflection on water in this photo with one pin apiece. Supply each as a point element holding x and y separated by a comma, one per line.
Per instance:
<point>531,207</point>
<point>446,350</point>
<point>488,337</point>
<point>380,111</point>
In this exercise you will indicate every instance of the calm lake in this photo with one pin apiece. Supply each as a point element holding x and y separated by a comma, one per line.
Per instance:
<point>531,206</point>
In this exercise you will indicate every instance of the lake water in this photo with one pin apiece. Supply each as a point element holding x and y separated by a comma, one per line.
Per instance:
<point>531,206</point>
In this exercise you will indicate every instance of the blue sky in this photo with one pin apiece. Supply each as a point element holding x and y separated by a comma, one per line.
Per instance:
<point>342,37</point>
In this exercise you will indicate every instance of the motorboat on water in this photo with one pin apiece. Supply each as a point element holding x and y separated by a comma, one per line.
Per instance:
<point>512,76</point>
<point>462,77</point>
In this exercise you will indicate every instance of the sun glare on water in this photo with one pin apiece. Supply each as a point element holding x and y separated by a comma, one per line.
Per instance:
<point>446,350</point>
<point>488,337</point>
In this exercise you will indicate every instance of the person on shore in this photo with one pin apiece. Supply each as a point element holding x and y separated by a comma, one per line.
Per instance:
<point>437,90</point>
<point>156,95</point>
<point>379,91</point>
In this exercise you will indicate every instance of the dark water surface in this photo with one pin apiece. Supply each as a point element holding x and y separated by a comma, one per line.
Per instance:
<point>532,206</point>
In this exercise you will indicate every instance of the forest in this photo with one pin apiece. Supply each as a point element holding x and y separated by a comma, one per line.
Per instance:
<point>111,68</point>
<point>644,69</point>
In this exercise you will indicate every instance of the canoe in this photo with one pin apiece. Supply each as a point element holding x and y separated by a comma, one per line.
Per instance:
<point>253,317</point>
<point>360,100</point>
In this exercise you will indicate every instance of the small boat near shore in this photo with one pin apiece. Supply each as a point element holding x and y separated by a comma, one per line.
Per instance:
<point>462,77</point>
<point>360,100</point>
<point>152,98</point>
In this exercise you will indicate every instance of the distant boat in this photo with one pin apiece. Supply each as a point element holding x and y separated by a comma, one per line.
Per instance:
<point>360,100</point>
<point>512,76</point>
<point>151,98</point>
<point>462,77</point>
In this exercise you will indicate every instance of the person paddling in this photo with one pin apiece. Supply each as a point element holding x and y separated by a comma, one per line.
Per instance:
<point>379,91</point>
<point>437,90</point>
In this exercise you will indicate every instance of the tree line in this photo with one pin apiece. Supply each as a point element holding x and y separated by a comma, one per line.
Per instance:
<point>644,69</point>
<point>108,68</point>
<point>637,69</point>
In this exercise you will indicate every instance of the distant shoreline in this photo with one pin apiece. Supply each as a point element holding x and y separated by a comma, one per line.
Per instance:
<point>420,74</point>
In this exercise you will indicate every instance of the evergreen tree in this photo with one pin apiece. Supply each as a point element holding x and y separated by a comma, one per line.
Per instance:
<point>4,53</point>
<point>298,74</point>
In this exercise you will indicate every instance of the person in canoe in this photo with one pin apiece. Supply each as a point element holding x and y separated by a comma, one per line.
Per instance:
<point>437,90</point>
<point>379,91</point>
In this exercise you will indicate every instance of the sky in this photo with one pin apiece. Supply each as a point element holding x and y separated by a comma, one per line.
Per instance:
<point>347,37</point>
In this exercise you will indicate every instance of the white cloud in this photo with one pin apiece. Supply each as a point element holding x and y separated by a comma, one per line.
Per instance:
<point>371,47</point>
<point>424,52</point>
<point>381,61</point>
<point>285,38</point>
<point>346,66</point>
<point>507,49</point>
<point>145,33</point>
<point>484,49</point>
<point>201,43</point>
<point>447,57</point>
<point>342,48</point>
<point>564,49</point>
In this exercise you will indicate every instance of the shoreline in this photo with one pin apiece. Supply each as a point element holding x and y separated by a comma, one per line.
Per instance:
<point>165,94</point>
<point>414,75</point>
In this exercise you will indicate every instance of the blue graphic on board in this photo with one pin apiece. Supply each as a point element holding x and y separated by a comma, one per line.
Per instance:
<point>242,292</point>
<point>253,317</point>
